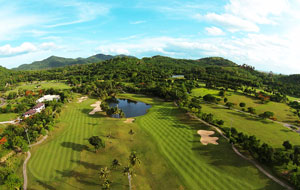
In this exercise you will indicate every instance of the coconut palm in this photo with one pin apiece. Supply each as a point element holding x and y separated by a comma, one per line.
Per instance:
<point>104,173</point>
<point>133,159</point>
<point>128,171</point>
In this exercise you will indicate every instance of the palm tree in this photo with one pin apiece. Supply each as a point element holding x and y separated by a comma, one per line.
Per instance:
<point>106,184</point>
<point>128,170</point>
<point>104,173</point>
<point>115,163</point>
<point>133,159</point>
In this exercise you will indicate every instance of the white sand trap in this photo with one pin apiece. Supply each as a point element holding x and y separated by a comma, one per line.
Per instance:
<point>97,107</point>
<point>129,120</point>
<point>82,99</point>
<point>205,137</point>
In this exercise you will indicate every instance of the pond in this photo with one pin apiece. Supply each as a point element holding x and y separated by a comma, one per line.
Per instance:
<point>130,108</point>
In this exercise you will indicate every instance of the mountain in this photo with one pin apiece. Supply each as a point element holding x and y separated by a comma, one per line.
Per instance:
<point>54,62</point>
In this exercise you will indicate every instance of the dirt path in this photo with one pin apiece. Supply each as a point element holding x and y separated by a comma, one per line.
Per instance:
<point>9,122</point>
<point>26,161</point>
<point>245,158</point>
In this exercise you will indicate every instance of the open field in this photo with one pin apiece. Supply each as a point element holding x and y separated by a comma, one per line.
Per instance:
<point>282,111</point>
<point>8,116</point>
<point>202,167</point>
<point>66,160</point>
<point>40,85</point>
<point>267,131</point>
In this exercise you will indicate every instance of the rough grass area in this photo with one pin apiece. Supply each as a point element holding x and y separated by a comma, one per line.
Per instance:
<point>282,111</point>
<point>8,116</point>
<point>267,131</point>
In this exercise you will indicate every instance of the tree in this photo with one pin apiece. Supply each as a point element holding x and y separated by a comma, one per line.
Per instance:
<point>106,184</point>
<point>13,182</point>
<point>133,159</point>
<point>104,173</point>
<point>128,171</point>
<point>209,98</point>
<point>229,105</point>
<point>287,145</point>
<point>251,110</point>
<point>115,163</point>
<point>266,115</point>
<point>225,100</point>
<point>222,93</point>
<point>131,133</point>
<point>242,104</point>
<point>96,142</point>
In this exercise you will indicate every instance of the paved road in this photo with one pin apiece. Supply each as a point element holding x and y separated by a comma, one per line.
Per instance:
<point>245,158</point>
<point>26,161</point>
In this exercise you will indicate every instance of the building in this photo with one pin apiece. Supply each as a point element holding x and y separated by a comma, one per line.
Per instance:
<point>36,109</point>
<point>48,98</point>
<point>39,107</point>
<point>29,113</point>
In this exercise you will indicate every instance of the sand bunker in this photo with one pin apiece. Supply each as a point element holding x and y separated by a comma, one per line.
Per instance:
<point>97,108</point>
<point>205,137</point>
<point>129,120</point>
<point>82,99</point>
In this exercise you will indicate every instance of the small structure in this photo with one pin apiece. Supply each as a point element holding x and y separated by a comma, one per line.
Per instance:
<point>36,109</point>
<point>48,98</point>
<point>39,107</point>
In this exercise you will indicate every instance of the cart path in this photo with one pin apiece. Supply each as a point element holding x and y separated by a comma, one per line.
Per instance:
<point>27,159</point>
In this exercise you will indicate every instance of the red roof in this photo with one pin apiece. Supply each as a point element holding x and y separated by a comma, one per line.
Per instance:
<point>30,112</point>
<point>38,105</point>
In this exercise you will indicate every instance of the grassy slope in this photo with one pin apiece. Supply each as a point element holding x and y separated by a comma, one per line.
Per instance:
<point>202,167</point>
<point>282,111</point>
<point>65,161</point>
<point>8,116</point>
<point>267,131</point>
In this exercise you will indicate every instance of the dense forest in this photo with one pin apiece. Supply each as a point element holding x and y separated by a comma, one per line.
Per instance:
<point>214,71</point>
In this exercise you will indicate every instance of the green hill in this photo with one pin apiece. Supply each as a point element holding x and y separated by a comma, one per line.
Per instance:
<point>54,62</point>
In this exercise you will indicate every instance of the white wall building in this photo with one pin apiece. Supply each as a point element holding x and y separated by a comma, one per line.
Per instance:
<point>48,98</point>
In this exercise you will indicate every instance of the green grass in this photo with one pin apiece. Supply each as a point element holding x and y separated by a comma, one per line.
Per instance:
<point>8,116</point>
<point>267,131</point>
<point>201,167</point>
<point>66,161</point>
<point>165,140</point>
<point>281,110</point>
<point>40,85</point>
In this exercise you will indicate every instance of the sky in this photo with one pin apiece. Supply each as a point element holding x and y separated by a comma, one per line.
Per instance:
<point>261,33</point>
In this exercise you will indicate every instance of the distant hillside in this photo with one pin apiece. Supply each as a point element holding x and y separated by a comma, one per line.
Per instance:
<point>54,62</point>
<point>205,62</point>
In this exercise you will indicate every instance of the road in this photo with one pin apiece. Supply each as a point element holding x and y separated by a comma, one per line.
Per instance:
<point>26,161</point>
<point>245,158</point>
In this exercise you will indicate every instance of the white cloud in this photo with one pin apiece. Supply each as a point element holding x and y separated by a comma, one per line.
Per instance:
<point>25,48</point>
<point>230,22</point>
<point>214,31</point>
<point>113,50</point>
<point>84,11</point>
<point>138,22</point>
<point>257,11</point>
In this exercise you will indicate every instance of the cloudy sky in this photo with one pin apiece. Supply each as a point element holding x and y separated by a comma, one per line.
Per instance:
<point>262,33</point>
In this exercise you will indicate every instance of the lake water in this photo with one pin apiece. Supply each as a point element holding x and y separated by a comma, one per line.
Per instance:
<point>130,108</point>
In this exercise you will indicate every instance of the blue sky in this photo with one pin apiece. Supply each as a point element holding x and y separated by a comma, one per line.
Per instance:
<point>264,34</point>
